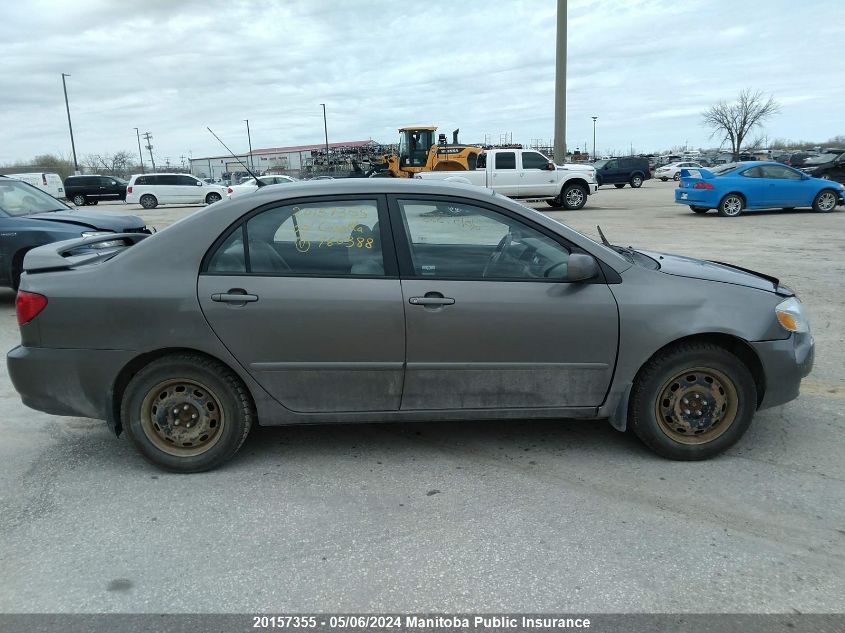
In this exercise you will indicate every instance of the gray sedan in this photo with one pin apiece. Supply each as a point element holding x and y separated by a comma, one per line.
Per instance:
<point>384,300</point>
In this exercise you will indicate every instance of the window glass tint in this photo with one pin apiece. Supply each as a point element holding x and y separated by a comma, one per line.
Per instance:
<point>754,172</point>
<point>17,198</point>
<point>166,180</point>
<point>319,238</point>
<point>534,160</point>
<point>482,162</point>
<point>612,164</point>
<point>777,171</point>
<point>505,160</point>
<point>186,180</point>
<point>462,241</point>
<point>142,180</point>
<point>229,257</point>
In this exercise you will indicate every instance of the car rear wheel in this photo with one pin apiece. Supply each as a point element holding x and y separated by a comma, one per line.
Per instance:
<point>692,401</point>
<point>212,198</point>
<point>677,176</point>
<point>664,178</point>
<point>79,200</point>
<point>699,209</point>
<point>731,205</point>
<point>148,201</point>
<point>187,413</point>
<point>574,197</point>
<point>636,181</point>
<point>825,201</point>
<point>619,185</point>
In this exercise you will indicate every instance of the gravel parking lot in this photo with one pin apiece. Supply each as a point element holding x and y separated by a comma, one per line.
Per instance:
<point>531,517</point>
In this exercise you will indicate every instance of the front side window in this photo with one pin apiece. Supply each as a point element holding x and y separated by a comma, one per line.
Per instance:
<point>534,160</point>
<point>187,181</point>
<point>779,172</point>
<point>457,240</point>
<point>337,238</point>
<point>505,160</point>
<point>612,164</point>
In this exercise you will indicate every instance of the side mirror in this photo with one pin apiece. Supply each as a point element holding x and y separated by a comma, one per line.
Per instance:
<point>199,183</point>
<point>581,267</point>
<point>551,167</point>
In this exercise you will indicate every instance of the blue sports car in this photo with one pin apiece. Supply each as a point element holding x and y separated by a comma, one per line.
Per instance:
<point>735,187</point>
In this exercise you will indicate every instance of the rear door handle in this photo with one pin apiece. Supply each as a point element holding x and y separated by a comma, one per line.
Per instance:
<point>234,296</point>
<point>431,301</point>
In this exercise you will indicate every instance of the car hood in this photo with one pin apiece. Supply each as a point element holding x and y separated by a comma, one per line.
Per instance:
<point>715,271</point>
<point>116,223</point>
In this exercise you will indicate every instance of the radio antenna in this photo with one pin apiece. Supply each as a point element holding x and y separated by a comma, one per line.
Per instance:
<point>248,170</point>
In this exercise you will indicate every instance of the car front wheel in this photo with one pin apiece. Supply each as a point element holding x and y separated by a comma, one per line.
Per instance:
<point>574,197</point>
<point>825,201</point>
<point>187,413</point>
<point>212,198</point>
<point>731,205</point>
<point>677,176</point>
<point>692,401</point>
<point>148,201</point>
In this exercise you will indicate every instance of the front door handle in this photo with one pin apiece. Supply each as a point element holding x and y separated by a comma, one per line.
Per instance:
<point>235,295</point>
<point>431,301</point>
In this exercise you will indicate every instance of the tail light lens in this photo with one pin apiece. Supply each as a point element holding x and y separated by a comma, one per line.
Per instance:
<point>228,190</point>
<point>129,189</point>
<point>44,179</point>
<point>703,185</point>
<point>29,305</point>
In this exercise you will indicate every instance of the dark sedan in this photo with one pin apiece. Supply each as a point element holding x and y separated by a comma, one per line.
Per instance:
<point>388,300</point>
<point>29,218</point>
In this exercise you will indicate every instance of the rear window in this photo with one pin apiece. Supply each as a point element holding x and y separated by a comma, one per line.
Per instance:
<point>724,169</point>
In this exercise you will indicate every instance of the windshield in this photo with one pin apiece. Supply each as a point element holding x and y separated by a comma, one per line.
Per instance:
<point>822,158</point>
<point>599,164</point>
<point>18,198</point>
<point>723,169</point>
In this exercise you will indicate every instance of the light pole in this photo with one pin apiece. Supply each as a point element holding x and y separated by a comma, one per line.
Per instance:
<point>70,127</point>
<point>140,153</point>
<point>249,140</point>
<point>560,85</point>
<point>594,138</point>
<point>326,129</point>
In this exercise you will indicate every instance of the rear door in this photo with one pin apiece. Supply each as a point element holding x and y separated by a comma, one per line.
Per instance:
<point>536,179</point>
<point>312,307</point>
<point>505,175</point>
<point>490,324</point>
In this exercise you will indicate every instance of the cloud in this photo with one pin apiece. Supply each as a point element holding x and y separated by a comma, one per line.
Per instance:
<point>646,68</point>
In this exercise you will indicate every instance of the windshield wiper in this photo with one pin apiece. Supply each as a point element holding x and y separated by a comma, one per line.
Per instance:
<point>627,250</point>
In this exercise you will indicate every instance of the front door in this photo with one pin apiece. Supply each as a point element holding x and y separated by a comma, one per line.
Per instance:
<point>536,179</point>
<point>490,324</point>
<point>786,186</point>
<point>312,309</point>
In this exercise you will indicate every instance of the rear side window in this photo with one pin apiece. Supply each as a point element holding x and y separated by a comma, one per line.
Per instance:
<point>143,180</point>
<point>482,162</point>
<point>754,172</point>
<point>506,160</point>
<point>229,257</point>
<point>167,180</point>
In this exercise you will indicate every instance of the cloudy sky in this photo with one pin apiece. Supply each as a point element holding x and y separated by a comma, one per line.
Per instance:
<point>646,68</point>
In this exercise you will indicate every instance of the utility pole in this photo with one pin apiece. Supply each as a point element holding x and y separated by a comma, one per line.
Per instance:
<point>70,126</point>
<point>560,85</point>
<point>140,153</point>
<point>594,138</point>
<point>249,140</point>
<point>149,137</point>
<point>326,129</point>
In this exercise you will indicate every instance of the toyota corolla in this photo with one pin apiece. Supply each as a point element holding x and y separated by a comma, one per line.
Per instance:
<point>382,300</point>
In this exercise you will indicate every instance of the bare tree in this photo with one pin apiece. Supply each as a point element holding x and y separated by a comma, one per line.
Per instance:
<point>732,122</point>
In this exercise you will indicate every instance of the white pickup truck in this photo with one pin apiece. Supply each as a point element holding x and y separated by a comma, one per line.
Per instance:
<point>526,174</point>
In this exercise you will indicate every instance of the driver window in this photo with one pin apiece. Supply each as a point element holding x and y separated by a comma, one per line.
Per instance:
<point>460,241</point>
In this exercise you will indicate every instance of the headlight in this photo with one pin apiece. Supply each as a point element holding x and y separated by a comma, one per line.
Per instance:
<point>790,315</point>
<point>107,244</point>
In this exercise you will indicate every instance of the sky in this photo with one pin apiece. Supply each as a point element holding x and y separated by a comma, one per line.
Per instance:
<point>645,68</point>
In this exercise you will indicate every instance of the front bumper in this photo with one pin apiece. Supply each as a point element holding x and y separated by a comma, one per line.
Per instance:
<point>785,363</point>
<point>74,382</point>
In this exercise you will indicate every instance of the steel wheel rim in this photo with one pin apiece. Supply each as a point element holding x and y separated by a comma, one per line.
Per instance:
<point>697,405</point>
<point>574,197</point>
<point>827,201</point>
<point>636,182</point>
<point>733,205</point>
<point>182,417</point>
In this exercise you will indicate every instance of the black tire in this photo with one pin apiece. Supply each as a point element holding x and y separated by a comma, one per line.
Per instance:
<point>636,181</point>
<point>573,197</point>
<point>211,393</point>
<point>79,200</point>
<point>825,201</point>
<point>93,202</point>
<point>677,176</point>
<point>213,197</point>
<point>731,205</point>
<point>619,185</point>
<point>659,377</point>
<point>663,179</point>
<point>148,201</point>
<point>699,209</point>
<point>554,203</point>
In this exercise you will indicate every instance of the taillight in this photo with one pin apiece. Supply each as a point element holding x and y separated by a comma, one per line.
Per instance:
<point>129,189</point>
<point>29,305</point>
<point>228,190</point>
<point>703,185</point>
<point>44,179</point>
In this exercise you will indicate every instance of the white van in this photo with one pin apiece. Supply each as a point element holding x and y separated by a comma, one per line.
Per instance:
<point>151,190</point>
<point>51,183</point>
